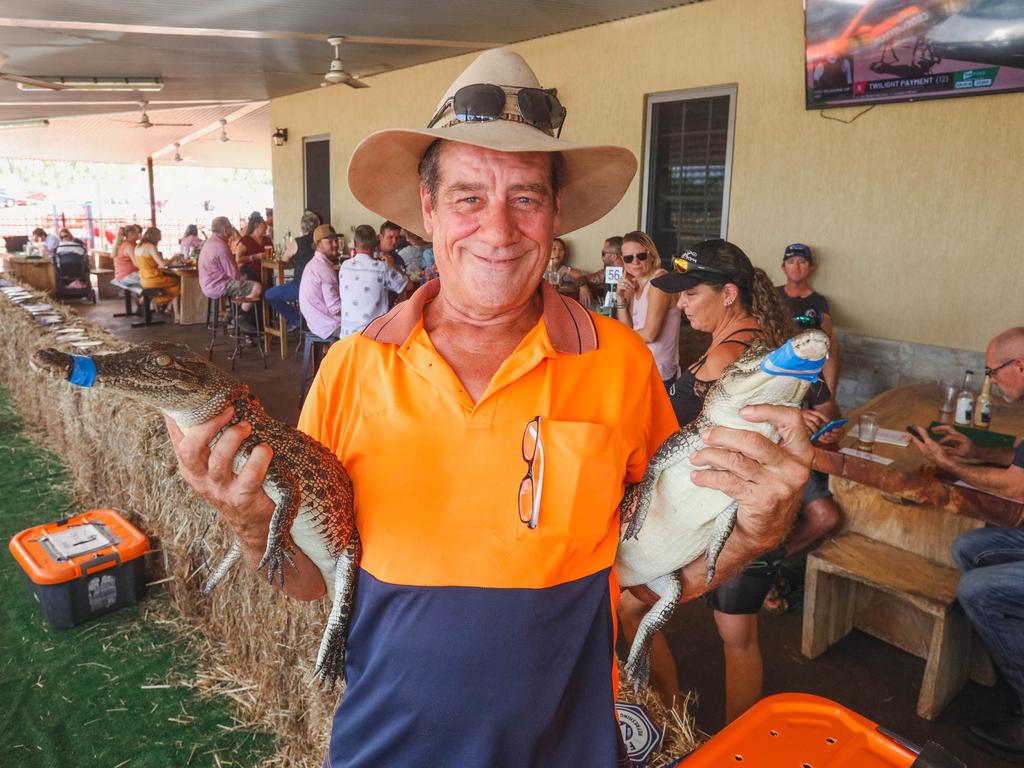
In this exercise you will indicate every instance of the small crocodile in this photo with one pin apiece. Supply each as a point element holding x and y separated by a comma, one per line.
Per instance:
<point>667,520</point>
<point>311,491</point>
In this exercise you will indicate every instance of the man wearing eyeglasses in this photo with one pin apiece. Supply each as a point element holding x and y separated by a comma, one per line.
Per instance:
<point>991,589</point>
<point>611,256</point>
<point>483,627</point>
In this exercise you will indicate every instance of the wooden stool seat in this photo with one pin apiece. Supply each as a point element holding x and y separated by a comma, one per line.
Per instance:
<point>897,596</point>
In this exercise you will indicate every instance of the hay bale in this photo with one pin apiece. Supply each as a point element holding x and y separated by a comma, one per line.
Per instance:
<point>259,645</point>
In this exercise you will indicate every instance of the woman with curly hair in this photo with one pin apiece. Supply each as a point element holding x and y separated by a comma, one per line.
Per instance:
<point>723,294</point>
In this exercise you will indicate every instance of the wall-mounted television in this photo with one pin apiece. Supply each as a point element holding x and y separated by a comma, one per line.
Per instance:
<point>869,51</point>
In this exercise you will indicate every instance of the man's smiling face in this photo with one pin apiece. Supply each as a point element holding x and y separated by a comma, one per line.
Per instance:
<point>491,225</point>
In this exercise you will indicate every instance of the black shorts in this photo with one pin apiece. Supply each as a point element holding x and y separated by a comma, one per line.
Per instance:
<point>816,488</point>
<point>744,592</point>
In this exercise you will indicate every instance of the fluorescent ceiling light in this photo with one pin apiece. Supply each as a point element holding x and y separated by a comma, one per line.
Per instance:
<point>30,123</point>
<point>149,84</point>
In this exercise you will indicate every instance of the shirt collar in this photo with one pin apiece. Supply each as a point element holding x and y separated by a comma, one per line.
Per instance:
<point>570,327</point>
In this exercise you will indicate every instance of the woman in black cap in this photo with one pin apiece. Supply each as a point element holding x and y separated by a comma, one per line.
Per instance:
<point>723,294</point>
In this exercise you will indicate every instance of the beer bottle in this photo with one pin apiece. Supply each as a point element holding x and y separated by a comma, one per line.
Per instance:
<point>964,413</point>
<point>983,406</point>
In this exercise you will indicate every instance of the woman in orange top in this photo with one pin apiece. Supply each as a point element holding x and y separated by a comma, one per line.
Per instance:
<point>124,254</point>
<point>150,275</point>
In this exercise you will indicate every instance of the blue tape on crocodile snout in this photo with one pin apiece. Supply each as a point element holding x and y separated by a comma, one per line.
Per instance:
<point>784,361</point>
<point>84,371</point>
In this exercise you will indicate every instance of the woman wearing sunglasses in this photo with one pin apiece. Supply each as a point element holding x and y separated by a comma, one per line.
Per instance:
<point>647,309</point>
<point>723,294</point>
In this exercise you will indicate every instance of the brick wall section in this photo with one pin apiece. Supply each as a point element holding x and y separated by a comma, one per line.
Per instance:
<point>871,366</point>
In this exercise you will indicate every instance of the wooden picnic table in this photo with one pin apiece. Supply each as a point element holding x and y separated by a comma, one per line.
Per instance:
<point>889,570</point>
<point>911,477</point>
<point>36,272</point>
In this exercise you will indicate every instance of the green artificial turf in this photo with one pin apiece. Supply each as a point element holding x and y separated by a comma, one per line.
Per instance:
<point>76,698</point>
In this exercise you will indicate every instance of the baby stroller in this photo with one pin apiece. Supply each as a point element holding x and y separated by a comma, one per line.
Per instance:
<point>71,273</point>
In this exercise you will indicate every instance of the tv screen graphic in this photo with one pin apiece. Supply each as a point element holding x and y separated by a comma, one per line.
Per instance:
<point>870,51</point>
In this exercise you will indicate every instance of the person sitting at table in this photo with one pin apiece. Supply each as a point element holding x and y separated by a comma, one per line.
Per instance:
<point>42,243</point>
<point>991,589</point>
<point>365,283</point>
<point>412,254</point>
<point>218,273</point>
<point>151,264</point>
<point>125,269</point>
<point>251,247</point>
<point>388,244</point>
<point>283,298</point>
<point>319,299</point>
<point>723,294</point>
<point>190,240</point>
<point>804,302</point>
<point>646,308</point>
<point>592,284</point>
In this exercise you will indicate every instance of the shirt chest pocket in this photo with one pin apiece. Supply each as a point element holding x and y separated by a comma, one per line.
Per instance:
<point>579,471</point>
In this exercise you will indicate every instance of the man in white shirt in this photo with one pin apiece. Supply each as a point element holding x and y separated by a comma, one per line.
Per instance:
<point>365,282</point>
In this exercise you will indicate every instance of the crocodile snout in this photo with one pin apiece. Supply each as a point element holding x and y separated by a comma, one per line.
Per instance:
<point>53,362</point>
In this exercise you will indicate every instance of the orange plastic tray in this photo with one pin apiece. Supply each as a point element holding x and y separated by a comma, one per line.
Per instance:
<point>42,568</point>
<point>798,729</point>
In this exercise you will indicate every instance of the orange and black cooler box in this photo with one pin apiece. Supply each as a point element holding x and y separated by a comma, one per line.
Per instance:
<point>790,730</point>
<point>82,567</point>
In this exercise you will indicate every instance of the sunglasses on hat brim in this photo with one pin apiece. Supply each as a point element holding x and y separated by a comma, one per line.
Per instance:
<point>682,264</point>
<point>482,102</point>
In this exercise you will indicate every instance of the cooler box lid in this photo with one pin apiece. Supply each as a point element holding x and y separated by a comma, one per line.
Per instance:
<point>55,553</point>
<point>802,729</point>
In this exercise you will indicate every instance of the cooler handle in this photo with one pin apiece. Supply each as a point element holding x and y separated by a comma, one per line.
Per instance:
<point>93,565</point>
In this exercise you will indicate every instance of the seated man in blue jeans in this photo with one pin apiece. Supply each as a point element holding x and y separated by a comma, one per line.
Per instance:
<point>991,589</point>
<point>284,298</point>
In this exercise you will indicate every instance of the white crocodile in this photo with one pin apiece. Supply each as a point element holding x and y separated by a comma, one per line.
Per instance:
<point>667,520</point>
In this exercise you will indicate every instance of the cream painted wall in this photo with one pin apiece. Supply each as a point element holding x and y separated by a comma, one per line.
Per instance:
<point>908,208</point>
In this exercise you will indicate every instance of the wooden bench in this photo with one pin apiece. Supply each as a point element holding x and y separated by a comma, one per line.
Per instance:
<point>145,295</point>
<point>897,596</point>
<point>104,286</point>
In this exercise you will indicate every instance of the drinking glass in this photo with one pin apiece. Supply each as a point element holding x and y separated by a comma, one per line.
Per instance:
<point>947,396</point>
<point>867,430</point>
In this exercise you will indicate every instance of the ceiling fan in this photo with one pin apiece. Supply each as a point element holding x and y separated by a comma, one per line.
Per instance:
<point>223,137</point>
<point>145,122</point>
<point>177,155</point>
<point>336,73</point>
<point>27,80</point>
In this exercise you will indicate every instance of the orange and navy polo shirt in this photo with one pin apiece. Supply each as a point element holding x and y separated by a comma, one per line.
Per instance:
<point>476,640</point>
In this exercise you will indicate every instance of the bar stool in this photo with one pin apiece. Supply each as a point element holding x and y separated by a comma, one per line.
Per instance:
<point>214,322</point>
<point>313,350</point>
<point>235,330</point>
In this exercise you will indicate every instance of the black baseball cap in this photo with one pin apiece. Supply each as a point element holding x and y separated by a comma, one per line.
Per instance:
<point>798,249</point>
<point>699,264</point>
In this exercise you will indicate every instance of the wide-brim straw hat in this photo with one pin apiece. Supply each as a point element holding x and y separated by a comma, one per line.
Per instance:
<point>383,173</point>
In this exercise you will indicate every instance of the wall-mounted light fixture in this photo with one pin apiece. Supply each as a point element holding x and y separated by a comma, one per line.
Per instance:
<point>280,136</point>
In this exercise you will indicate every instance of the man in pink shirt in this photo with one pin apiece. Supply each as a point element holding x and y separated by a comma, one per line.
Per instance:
<point>319,298</point>
<point>218,273</point>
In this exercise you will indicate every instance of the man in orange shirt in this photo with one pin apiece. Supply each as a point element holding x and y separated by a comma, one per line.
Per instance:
<point>483,630</point>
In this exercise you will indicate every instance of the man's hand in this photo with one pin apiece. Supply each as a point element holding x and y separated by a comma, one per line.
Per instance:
<point>933,451</point>
<point>210,471</point>
<point>766,479</point>
<point>586,297</point>
<point>955,443</point>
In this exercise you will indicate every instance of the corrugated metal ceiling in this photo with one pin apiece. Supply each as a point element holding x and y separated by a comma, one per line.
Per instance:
<point>238,51</point>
